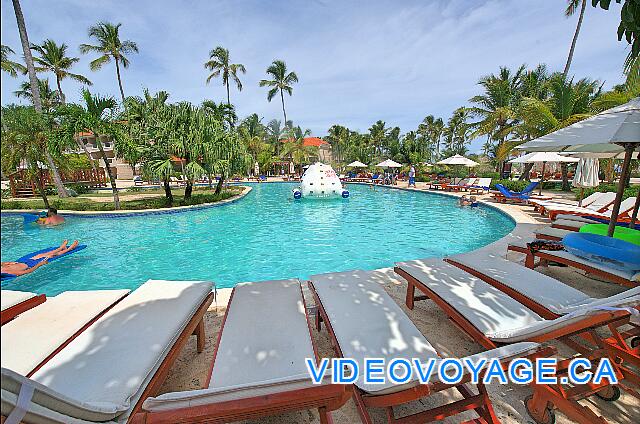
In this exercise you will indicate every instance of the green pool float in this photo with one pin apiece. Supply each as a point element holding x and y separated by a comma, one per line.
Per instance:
<point>622,233</point>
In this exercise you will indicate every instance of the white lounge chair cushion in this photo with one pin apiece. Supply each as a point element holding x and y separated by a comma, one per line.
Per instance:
<point>50,403</point>
<point>499,317</point>
<point>265,341</point>
<point>368,323</point>
<point>574,221</point>
<point>37,333</point>
<point>562,254</point>
<point>9,298</point>
<point>601,202</point>
<point>191,398</point>
<point>486,307</point>
<point>553,232</point>
<point>265,336</point>
<point>556,296</point>
<point>110,363</point>
<point>553,294</point>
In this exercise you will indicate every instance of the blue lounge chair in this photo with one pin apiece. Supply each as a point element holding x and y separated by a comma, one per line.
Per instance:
<point>521,196</point>
<point>528,189</point>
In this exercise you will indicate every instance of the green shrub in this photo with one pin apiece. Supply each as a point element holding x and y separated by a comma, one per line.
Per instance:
<point>79,188</point>
<point>513,185</point>
<point>632,191</point>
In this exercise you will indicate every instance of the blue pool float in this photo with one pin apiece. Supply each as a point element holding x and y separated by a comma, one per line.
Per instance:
<point>30,217</point>
<point>26,259</point>
<point>609,251</point>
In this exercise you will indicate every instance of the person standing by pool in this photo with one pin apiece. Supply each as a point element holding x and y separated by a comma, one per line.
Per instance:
<point>52,218</point>
<point>412,176</point>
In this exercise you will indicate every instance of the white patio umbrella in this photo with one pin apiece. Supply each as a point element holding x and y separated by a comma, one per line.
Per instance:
<point>292,168</point>
<point>256,169</point>
<point>586,175</point>
<point>544,158</point>
<point>389,164</point>
<point>459,160</point>
<point>613,131</point>
<point>357,164</point>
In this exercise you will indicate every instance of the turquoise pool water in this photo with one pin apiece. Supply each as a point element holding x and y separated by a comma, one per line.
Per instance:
<point>266,235</point>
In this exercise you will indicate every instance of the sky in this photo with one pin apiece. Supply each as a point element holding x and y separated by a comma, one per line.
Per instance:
<point>357,61</point>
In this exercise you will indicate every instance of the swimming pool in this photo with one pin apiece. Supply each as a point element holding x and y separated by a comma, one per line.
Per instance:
<point>266,235</point>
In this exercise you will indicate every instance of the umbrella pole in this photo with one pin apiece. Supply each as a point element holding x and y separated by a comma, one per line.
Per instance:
<point>581,196</point>
<point>624,177</point>
<point>634,215</point>
<point>541,179</point>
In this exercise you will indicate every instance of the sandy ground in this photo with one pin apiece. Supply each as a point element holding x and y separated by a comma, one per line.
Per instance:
<point>191,369</point>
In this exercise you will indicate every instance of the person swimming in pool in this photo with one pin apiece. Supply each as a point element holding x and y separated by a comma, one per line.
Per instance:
<point>52,218</point>
<point>464,201</point>
<point>36,261</point>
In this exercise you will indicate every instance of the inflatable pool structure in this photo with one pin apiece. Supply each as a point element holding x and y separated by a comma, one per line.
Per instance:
<point>609,251</point>
<point>320,181</point>
<point>622,233</point>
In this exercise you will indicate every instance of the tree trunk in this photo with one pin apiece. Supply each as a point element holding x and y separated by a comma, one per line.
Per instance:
<point>188,190</point>
<point>62,98</point>
<point>564,167</point>
<point>575,39</point>
<point>526,171</point>
<point>228,97</point>
<point>114,188</point>
<point>41,189</point>
<point>284,112</point>
<point>220,183</point>
<point>167,192</point>
<point>35,90</point>
<point>119,79</point>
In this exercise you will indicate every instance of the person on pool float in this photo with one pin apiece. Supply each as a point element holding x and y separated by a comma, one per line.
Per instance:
<point>36,261</point>
<point>52,218</point>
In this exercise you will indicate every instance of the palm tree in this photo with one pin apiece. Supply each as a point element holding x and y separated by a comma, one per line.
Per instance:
<point>430,131</point>
<point>219,63</point>
<point>8,66</point>
<point>295,149</point>
<point>97,115</point>
<point>572,7</point>
<point>35,92</point>
<point>109,47</point>
<point>53,59</point>
<point>223,112</point>
<point>281,80</point>
<point>49,98</point>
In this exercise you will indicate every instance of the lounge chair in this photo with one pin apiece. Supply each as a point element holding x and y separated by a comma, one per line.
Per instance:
<point>598,206</point>
<point>364,321</point>
<point>625,278</point>
<point>626,206</point>
<point>504,194</point>
<point>541,204</point>
<point>493,318</point>
<point>15,302</point>
<point>36,335</point>
<point>462,185</point>
<point>118,361</point>
<point>575,222</point>
<point>482,185</point>
<point>259,364</point>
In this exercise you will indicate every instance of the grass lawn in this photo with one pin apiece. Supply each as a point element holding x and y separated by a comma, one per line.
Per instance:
<point>84,203</point>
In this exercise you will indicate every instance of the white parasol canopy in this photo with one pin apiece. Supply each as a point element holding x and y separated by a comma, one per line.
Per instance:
<point>613,131</point>
<point>357,164</point>
<point>292,168</point>
<point>389,164</point>
<point>458,160</point>
<point>541,157</point>
<point>599,133</point>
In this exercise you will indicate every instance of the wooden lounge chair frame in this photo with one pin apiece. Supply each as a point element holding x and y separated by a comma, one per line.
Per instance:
<point>547,256</point>
<point>194,327</point>
<point>325,398</point>
<point>15,310</point>
<point>480,402</point>
<point>545,397</point>
<point>624,352</point>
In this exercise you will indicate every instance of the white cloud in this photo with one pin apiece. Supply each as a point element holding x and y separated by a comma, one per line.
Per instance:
<point>357,61</point>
